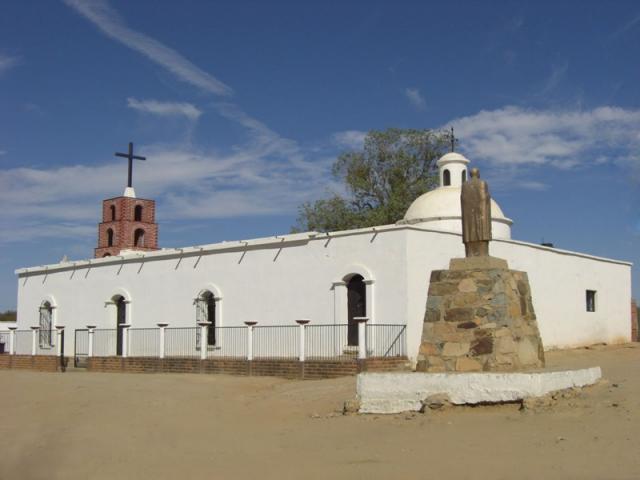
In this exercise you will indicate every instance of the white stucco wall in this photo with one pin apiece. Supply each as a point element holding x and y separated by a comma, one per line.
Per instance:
<point>276,281</point>
<point>559,280</point>
<point>270,281</point>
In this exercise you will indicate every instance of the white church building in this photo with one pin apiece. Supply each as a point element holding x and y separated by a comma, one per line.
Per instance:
<point>381,273</point>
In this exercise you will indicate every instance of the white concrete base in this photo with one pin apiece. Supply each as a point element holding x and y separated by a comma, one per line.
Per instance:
<point>403,392</point>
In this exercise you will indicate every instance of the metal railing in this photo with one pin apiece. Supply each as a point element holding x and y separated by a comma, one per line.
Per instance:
<point>386,340</point>
<point>144,342</point>
<point>328,341</point>
<point>276,341</point>
<point>303,342</point>
<point>30,342</point>
<point>182,342</point>
<point>4,341</point>
<point>230,342</point>
<point>105,342</point>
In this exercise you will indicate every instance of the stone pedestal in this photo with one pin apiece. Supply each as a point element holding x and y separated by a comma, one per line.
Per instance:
<point>479,317</point>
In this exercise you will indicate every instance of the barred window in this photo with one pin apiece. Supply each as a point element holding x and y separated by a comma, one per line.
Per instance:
<point>45,337</point>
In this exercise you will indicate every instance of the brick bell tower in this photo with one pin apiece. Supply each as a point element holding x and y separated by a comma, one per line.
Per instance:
<point>128,223</point>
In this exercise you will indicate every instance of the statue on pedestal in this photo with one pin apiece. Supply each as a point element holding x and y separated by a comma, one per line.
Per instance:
<point>476,216</point>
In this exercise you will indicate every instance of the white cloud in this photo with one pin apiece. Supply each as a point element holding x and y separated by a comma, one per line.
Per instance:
<point>514,136</point>
<point>165,109</point>
<point>261,178</point>
<point>415,97</point>
<point>7,63</point>
<point>352,139</point>
<point>100,13</point>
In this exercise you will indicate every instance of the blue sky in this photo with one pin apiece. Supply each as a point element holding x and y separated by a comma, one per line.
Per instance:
<point>241,108</point>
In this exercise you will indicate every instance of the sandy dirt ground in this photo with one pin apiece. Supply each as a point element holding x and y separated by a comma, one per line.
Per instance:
<point>120,426</point>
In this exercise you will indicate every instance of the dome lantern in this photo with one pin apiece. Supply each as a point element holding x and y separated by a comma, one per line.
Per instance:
<point>452,169</point>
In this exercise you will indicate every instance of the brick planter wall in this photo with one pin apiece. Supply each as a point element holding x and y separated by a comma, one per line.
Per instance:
<point>283,368</point>
<point>40,363</point>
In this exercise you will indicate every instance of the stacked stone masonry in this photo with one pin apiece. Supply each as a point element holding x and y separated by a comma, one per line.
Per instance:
<point>479,320</point>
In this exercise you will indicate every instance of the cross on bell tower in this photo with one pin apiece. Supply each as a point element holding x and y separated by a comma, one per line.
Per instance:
<point>131,157</point>
<point>128,223</point>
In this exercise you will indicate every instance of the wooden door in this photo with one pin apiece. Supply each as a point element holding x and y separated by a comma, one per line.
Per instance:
<point>357,306</point>
<point>121,316</point>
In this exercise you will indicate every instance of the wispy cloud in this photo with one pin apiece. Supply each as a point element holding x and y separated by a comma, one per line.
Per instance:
<point>630,25</point>
<point>7,63</point>
<point>352,139</point>
<point>165,109</point>
<point>514,136</point>
<point>533,185</point>
<point>553,80</point>
<point>109,22</point>
<point>415,98</point>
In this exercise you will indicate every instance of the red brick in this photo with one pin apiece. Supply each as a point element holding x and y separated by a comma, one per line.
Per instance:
<point>125,225</point>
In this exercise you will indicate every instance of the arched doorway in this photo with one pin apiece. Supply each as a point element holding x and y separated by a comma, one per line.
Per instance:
<point>206,312</point>
<point>357,306</point>
<point>121,319</point>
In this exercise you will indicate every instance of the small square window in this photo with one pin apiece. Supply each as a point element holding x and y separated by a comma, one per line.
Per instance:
<point>591,300</point>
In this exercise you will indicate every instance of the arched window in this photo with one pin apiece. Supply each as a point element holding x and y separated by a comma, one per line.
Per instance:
<point>106,255</point>
<point>46,314</point>
<point>121,319</point>
<point>206,312</point>
<point>109,237</point>
<point>356,306</point>
<point>137,213</point>
<point>138,238</point>
<point>464,176</point>
<point>446,178</point>
<point>113,212</point>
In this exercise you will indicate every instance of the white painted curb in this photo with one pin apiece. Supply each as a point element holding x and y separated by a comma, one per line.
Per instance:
<point>403,392</point>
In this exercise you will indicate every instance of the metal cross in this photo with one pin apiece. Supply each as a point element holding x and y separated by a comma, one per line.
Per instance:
<point>131,157</point>
<point>453,141</point>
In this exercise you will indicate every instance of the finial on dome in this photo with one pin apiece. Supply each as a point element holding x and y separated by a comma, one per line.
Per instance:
<point>453,140</point>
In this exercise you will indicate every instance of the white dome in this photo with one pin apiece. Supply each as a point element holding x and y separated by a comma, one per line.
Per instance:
<point>440,209</point>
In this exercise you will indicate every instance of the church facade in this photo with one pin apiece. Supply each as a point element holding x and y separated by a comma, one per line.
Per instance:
<point>381,273</point>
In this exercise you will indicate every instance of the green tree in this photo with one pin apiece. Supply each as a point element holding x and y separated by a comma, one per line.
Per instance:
<point>393,168</point>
